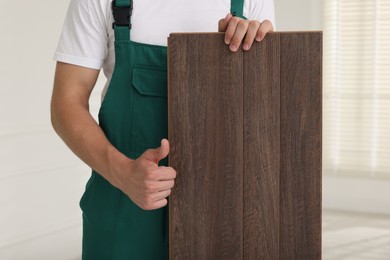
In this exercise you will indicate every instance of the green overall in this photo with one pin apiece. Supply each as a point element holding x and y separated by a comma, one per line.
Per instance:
<point>133,116</point>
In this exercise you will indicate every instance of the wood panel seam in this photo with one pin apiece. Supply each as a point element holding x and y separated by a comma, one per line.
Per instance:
<point>243,161</point>
<point>280,143</point>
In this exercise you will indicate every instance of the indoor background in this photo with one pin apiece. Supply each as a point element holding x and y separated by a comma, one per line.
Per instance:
<point>41,181</point>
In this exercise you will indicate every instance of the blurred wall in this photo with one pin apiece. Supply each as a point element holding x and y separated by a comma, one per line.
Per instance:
<point>41,181</point>
<point>298,15</point>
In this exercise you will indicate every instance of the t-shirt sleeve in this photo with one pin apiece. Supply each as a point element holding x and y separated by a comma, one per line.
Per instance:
<point>84,39</point>
<point>262,10</point>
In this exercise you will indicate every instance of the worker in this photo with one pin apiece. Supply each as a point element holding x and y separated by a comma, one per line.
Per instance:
<point>125,213</point>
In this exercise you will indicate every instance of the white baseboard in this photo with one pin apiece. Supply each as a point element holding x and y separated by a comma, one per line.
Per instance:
<point>366,195</point>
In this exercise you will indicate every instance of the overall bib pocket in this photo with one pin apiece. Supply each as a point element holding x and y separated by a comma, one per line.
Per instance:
<point>149,124</point>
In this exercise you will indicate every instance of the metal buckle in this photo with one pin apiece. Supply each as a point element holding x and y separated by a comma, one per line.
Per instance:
<point>121,14</point>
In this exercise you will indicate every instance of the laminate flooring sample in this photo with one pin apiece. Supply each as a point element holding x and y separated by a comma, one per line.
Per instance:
<point>245,136</point>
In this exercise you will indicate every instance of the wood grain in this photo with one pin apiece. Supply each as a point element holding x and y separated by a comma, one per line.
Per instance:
<point>262,149</point>
<point>300,179</point>
<point>245,135</point>
<point>205,132</point>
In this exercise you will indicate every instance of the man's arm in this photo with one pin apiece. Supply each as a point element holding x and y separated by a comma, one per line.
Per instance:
<point>73,122</point>
<point>142,180</point>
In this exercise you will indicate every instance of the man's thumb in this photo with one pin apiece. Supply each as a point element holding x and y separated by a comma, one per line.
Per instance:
<point>158,153</point>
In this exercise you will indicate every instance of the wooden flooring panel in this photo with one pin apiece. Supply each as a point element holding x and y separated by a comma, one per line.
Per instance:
<point>300,179</point>
<point>245,134</point>
<point>262,149</point>
<point>206,137</point>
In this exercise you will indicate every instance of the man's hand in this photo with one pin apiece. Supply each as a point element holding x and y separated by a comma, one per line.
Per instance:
<point>236,29</point>
<point>146,183</point>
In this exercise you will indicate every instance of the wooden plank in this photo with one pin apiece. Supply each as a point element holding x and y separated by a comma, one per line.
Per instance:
<point>262,149</point>
<point>206,137</point>
<point>245,132</point>
<point>300,180</point>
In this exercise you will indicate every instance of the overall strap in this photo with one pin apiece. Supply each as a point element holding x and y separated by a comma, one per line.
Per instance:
<point>237,8</point>
<point>122,11</point>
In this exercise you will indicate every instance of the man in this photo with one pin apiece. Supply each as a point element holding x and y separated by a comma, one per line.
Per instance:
<point>124,213</point>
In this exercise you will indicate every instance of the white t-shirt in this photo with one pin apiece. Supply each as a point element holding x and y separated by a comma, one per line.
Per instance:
<point>87,37</point>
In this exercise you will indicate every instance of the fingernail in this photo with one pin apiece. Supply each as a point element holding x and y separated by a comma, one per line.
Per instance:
<point>233,47</point>
<point>227,41</point>
<point>258,38</point>
<point>245,46</point>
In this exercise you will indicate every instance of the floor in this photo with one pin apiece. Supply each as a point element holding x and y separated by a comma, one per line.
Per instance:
<point>352,236</point>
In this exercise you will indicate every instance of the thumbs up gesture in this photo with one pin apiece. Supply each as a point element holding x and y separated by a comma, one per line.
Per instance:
<point>146,183</point>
